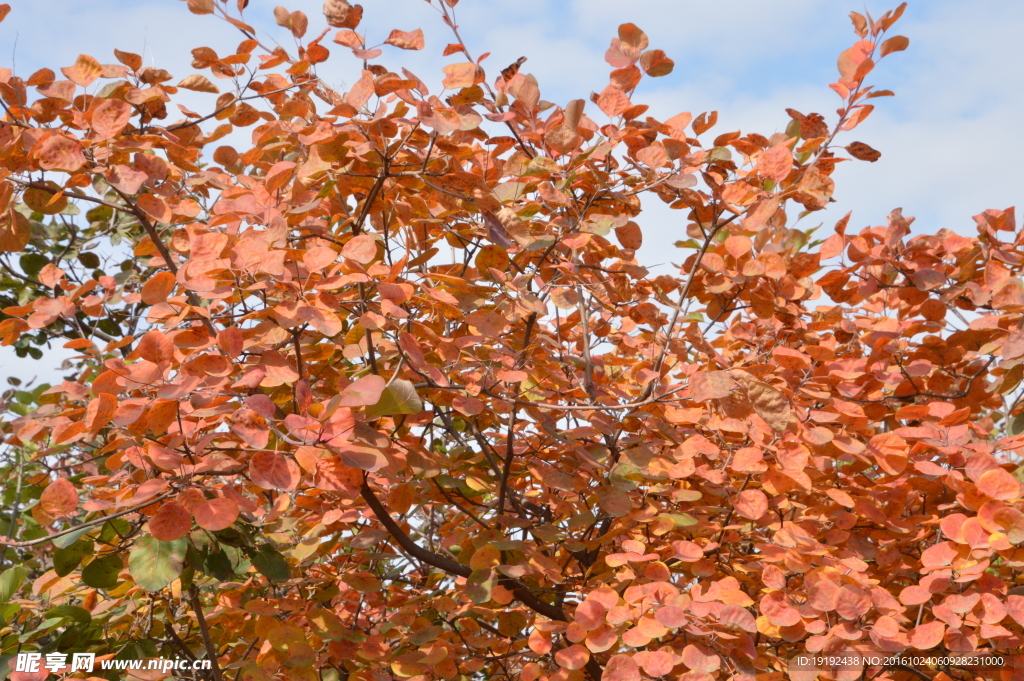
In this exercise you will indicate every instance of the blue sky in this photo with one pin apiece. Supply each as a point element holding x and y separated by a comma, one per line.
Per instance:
<point>951,139</point>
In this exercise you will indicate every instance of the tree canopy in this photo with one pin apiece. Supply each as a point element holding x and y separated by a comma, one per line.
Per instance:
<point>385,393</point>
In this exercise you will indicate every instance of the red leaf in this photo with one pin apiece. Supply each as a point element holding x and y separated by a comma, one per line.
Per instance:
<point>775,163</point>
<point>621,668</point>
<point>251,427</point>
<point>928,635</point>
<point>364,392</point>
<point>61,153</point>
<point>362,249</point>
<point>709,385</point>
<point>699,658</point>
<point>216,514</point>
<point>572,658</point>
<point>172,521</point>
<point>272,470</point>
<point>751,503</point>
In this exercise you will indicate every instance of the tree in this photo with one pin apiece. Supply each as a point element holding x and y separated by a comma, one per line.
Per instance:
<point>388,395</point>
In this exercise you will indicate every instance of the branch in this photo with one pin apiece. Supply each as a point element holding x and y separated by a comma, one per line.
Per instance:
<point>406,542</point>
<point>91,523</point>
<point>211,649</point>
<point>518,589</point>
<point>357,228</point>
<point>509,455</point>
<point>165,253</point>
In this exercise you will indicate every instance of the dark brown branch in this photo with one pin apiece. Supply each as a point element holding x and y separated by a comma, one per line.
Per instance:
<point>161,247</point>
<point>357,228</point>
<point>211,648</point>
<point>509,455</point>
<point>518,589</point>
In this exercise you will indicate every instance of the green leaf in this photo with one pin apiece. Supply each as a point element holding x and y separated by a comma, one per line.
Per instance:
<point>101,573</point>
<point>1016,425</point>
<point>10,581</point>
<point>271,564</point>
<point>75,612</point>
<point>686,495</point>
<point>65,560</point>
<point>602,225</point>
<point>7,612</point>
<point>154,564</point>
<point>115,528</point>
<point>67,540</point>
<point>33,263</point>
<point>326,624</point>
<point>480,584</point>
<point>219,566</point>
<point>398,398</point>
<point>681,519</point>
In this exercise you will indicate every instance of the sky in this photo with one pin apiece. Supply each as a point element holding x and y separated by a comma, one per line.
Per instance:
<point>951,140</point>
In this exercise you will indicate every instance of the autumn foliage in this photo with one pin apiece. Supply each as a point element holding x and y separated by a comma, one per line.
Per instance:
<point>383,392</point>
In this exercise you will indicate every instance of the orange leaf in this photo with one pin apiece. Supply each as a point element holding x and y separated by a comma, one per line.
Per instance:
<point>15,231</point>
<point>60,499</point>
<point>656,662</point>
<point>632,37</point>
<point>198,83</point>
<point>158,288</point>
<point>251,427</point>
<point>998,484</point>
<point>100,411</point>
<point>111,117</point>
<point>621,668</point>
<point>84,71</point>
<point>709,385</point>
<point>340,14</point>
<point>700,659</point>
<point>655,63</point>
<point>411,40</point>
<point>928,635</point>
<point>897,43</point>
<point>464,74</point>
<point>751,503</point>
<point>154,207</point>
